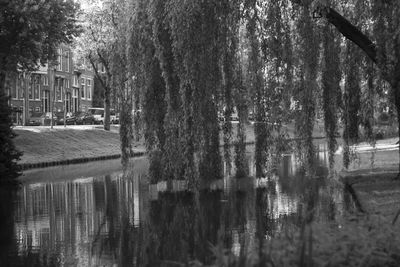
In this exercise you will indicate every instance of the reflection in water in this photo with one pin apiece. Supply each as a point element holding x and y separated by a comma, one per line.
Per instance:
<point>115,220</point>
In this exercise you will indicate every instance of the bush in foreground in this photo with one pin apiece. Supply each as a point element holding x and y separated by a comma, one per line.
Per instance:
<point>8,153</point>
<point>359,241</point>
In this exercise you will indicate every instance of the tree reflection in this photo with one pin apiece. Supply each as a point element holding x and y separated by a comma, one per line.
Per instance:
<point>171,228</point>
<point>116,219</point>
<point>7,234</point>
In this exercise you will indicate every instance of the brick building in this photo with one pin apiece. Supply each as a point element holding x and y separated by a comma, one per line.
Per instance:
<point>61,84</point>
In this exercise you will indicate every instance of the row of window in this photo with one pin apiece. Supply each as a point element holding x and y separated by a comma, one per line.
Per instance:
<point>71,105</point>
<point>40,83</point>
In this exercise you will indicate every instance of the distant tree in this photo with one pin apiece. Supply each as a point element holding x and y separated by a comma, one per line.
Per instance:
<point>98,94</point>
<point>97,45</point>
<point>30,32</point>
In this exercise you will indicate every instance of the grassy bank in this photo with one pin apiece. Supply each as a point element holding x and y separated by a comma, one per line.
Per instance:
<point>58,145</point>
<point>41,144</point>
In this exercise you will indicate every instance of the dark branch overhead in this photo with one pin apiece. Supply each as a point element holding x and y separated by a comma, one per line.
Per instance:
<point>348,30</point>
<point>352,33</point>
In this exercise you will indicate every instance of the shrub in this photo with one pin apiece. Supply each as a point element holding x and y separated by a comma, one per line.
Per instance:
<point>8,153</point>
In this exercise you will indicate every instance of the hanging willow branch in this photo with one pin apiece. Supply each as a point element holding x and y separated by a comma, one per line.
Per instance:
<point>330,81</point>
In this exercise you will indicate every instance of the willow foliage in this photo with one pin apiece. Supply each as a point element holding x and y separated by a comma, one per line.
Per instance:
<point>199,61</point>
<point>256,81</point>
<point>307,71</point>
<point>330,81</point>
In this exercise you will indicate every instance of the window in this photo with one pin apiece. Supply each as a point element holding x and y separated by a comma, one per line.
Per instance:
<point>66,83</point>
<point>89,89</point>
<point>59,59</point>
<point>30,82</point>
<point>45,80</point>
<point>58,89</point>
<point>37,109</point>
<point>36,87</point>
<point>83,88</point>
<point>46,101</point>
<point>20,85</point>
<point>14,88</point>
<point>75,82</point>
<point>67,58</point>
<point>61,89</point>
<point>75,103</point>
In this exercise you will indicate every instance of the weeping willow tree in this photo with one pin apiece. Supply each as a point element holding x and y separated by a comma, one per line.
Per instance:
<point>307,71</point>
<point>151,87</point>
<point>196,28</point>
<point>172,156</point>
<point>378,38</point>
<point>352,101</point>
<point>187,67</point>
<point>256,82</point>
<point>195,59</point>
<point>277,51</point>
<point>231,78</point>
<point>331,92</point>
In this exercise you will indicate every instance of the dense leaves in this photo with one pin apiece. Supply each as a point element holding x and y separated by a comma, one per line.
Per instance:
<point>8,153</point>
<point>197,63</point>
<point>30,33</point>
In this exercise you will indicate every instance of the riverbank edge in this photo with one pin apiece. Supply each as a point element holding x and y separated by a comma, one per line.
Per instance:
<point>45,164</point>
<point>28,166</point>
<point>358,182</point>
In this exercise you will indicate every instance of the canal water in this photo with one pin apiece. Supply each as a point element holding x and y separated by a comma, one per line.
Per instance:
<point>95,215</point>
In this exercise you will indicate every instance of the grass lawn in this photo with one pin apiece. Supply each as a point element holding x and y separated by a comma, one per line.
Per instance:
<point>41,144</point>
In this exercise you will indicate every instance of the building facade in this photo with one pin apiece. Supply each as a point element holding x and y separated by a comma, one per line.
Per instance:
<point>59,84</point>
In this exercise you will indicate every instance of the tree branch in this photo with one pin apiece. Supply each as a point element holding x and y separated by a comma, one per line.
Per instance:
<point>352,33</point>
<point>96,71</point>
<point>104,62</point>
<point>348,30</point>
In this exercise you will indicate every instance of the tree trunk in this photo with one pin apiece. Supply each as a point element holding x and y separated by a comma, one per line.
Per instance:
<point>107,108</point>
<point>2,81</point>
<point>396,88</point>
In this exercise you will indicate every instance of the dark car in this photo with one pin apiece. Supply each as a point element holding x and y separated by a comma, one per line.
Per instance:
<point>60,118</point>
<point>114,117</point>
<point>35,119</point>
<point>83,118</point>
<point>72,119</point>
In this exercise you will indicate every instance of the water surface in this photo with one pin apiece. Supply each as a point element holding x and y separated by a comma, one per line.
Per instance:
<point>95,215</point>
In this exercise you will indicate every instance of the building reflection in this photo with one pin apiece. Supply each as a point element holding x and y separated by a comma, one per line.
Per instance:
<point>115,219</point>
<point>79,219</point>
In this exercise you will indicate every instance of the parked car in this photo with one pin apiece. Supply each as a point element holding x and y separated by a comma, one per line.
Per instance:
<point>46,118</point>
<point>113,117</point>
<point>116,118</point>
<point>36,119</point>
<point>70,118</point>
<point>84,118</point>
<point>59,118</point>
<point>98,114</point>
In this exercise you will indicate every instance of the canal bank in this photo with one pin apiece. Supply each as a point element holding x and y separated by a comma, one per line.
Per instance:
<point>372,178</point>
<point>95,202</point>
<point>44,147</point>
